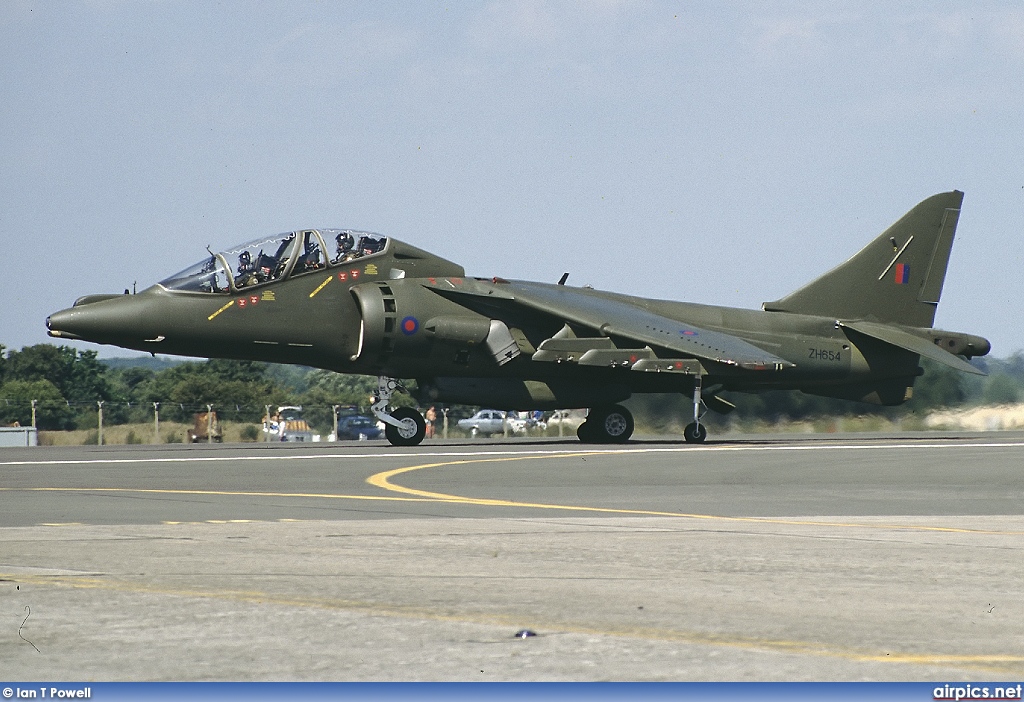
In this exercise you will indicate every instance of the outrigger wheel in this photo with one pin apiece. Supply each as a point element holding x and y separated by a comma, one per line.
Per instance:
<point>695,433</point>
<point>606,425</point>
<point>412,431</point>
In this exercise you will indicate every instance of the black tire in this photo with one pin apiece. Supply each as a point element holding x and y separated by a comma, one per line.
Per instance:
<point>412,433</point>
<point>609,425</point>
<point>695,433</point>
<point>585,433</point>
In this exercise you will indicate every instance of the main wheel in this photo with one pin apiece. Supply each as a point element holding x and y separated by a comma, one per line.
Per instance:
<point>610,425</point>
<point>585,433</point>
<point>412,431</point>
<point>695,433</point>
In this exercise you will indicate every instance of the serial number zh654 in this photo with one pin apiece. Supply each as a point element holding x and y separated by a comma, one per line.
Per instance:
<point>824,355</point>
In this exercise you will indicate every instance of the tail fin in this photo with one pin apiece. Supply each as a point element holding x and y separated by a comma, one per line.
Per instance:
<point>897,278</point>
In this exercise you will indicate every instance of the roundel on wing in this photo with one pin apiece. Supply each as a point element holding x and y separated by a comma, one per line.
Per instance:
<point>410,325</point>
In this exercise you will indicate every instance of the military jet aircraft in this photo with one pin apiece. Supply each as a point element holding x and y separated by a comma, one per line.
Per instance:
<point>357,302</point>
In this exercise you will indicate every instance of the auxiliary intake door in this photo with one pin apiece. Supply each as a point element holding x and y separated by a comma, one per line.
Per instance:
<point>378,314</point>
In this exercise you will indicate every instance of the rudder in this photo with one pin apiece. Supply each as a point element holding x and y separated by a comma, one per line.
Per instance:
<point>897,278</point>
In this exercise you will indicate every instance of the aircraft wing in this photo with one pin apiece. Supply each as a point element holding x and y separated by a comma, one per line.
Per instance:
<point>913,343</point>
<point>618,318</point>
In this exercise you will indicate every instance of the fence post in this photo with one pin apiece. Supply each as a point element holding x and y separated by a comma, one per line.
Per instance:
<point>33,414</point>
<point>335,408</point>
<point>156,422</point>
<point>266,424</point>
<point>209,424</point>
<point>99,423</point>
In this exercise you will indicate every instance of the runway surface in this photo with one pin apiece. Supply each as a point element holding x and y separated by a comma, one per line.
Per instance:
<point>765,558</point>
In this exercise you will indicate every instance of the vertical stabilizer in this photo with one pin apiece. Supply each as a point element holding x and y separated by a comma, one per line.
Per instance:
<point>897,278</point>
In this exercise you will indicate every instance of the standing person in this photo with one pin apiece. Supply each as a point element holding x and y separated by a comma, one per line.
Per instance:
<point>430,417</point>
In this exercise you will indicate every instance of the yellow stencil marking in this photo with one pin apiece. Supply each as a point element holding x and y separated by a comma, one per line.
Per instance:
<point>322,285</point>
<point>220,310</point>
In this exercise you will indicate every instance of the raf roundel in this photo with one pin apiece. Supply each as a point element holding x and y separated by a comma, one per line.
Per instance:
<point>410,325</point>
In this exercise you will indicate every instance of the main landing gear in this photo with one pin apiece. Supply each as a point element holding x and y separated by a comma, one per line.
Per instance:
<point>403,426</point>
<point>614,424</point>
<point>606,425</point>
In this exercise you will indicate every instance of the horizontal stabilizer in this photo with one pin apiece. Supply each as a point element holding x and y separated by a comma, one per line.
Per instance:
<point>913,343</point>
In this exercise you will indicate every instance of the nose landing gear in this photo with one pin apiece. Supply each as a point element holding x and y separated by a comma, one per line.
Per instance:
<point>403,426</point>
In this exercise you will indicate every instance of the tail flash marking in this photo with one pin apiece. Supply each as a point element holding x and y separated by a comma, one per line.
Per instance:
<point>896,258</point>
<point>902,273</point>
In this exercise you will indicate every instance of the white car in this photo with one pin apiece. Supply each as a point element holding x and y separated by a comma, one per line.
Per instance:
<point>489,422</point>
<point>569,420</point>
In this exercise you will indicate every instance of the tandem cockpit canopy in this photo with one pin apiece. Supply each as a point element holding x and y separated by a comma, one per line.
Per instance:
<point>274,258</point>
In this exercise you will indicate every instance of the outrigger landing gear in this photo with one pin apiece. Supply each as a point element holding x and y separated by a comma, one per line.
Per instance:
<point>606,425</point>
<point>696,432</point>
<point>403,426</point>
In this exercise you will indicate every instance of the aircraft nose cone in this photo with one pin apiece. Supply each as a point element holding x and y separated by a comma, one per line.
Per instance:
<point>107,321</point>
<point>58,325</point>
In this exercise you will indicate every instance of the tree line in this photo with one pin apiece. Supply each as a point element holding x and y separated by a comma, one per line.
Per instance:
<point>65,386</point>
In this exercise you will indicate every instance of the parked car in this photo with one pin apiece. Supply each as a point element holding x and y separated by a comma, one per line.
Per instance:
<point>488,422</point>
<point>358,427</point>
<point>287,424</point>
<point>568,420</point>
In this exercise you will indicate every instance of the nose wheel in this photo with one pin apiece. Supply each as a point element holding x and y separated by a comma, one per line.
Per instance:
<point>412,427</point>
<point>403,426</point>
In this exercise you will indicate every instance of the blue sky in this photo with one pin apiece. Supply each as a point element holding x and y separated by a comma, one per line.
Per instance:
<point>723,153</point>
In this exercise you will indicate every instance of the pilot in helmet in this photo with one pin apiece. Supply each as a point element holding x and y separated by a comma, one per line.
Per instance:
<point>345,243</point>
<point>246,269</point>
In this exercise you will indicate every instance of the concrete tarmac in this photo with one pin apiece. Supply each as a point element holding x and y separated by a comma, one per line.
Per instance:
<point>846,557</point>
